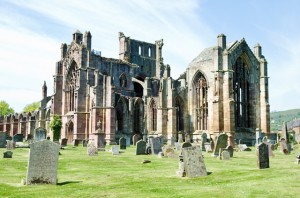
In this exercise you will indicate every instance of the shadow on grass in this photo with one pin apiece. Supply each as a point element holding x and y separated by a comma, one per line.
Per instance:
<point>208,173</point>
<point>67,182</point>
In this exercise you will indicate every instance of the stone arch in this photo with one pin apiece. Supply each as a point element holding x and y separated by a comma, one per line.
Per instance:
<point>153,115</point>
<point>70,131</point>
<point>123,80</point>
<point>70,85</point>
<point>138,116</point>
<point>121,116</point>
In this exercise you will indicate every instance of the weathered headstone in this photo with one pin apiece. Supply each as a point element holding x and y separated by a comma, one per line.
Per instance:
<point>18,137</point>
<point>7,154</point>
<point>193,162</point>
<point>262,156</point>
<point>122,143</point>
<point>140,147</point>
<point>85,143</point>
<point>230,150</point>
<point>39,134</point>
<point>221,143</point>
<point>283,147</point>
<point>10,145</point>
<point>127,141</point>
<point>42,163</point>
<point>115,150</point>
<point>2,139</point>
<point>203,140</point>
<point>92,149</point>
<point>135,138</point>
<point>186,144</point>
<point>155,145</point>
<point>265,141</point>
<point>207,147</point>
<point>180,138</point>
<point>225,155</point>
<point>76,142</point>
<point>64,142</point>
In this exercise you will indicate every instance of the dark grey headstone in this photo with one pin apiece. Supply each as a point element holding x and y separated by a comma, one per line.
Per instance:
<point>221,143</point>
<point>9,137</point>
<point>193,162</point>
<point>155,145</point>
<point>140,147</point>
<point>127,141</point>
<point>76,142</point>
<point>122,143</point>
<point>186,144</point>
<point>2,139</point>
<point>18,137</point>
<point>64,142</point>
<point>262,153</point>
<point>7,154</point>
<point>42,163</point>
<point>230,150</point>
<point>39,134</point>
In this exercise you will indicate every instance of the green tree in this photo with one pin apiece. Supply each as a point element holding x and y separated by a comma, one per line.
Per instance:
<point>55,126</point>
<point>5,109</point>
<point>31,107</point>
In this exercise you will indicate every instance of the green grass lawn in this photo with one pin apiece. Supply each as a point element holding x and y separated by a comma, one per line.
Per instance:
<point>105,175</point>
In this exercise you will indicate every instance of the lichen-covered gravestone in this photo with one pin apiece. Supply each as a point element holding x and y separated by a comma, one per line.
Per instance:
<point>92,149</point>
<point>42,163</point>
<point>225,155</point>
<point>39,134</point>
<point>7,154</point>
<point>193,162</point>
<point>122,143</point>
<point>221,143</point>
<point>155,145</point>
<point>186,144</point>
<point>2,139</point>
<point>140,147</point>
<point>262,153</point>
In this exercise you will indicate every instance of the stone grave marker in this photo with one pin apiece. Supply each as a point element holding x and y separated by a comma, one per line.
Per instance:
<point>115,150</point>
<point>265,141</point>
<point>135,138</point>
<point>221,143</point>
<point>172,141</point>
<point>155,145</point>
<point>76,142</point>
<point>42,163</point>
<point>203,140</point>
<point>122,143</point>
<point>18,137</point>
<point>193,162</point>
<point>10,145</point>
<point>140,147</point>
<point>180,138</point>
<point>212,144</point>
<point>85,143</point>
<point>92,149</point>
<point>225,155</point>
<point>244,147</point>
<point>207,147</point>
<point>170,152</point>
<point>7,154</point>
<point>229,148</point>
<point>186,144</point>
<point>127,141</point>
<point>64,142</point>
<point>177,146</point>
<point>39,134</point>
<point>262,154</point>
<point>283,147</point>
<point>2,139</point>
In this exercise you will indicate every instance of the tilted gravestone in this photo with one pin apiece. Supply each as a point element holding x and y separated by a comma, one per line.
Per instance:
<point>18,138</point>
<point>39,134</point>
<point>225,155</point>
<point>42,163</point>
<point>155,145</point>
<point>2,139</point>
<point>230,150</point>
<point>262,154</point>
<point>244,147</point>
<point>122,143</point>
<point>221,143</point>
<point>193,162</point>
<point>64,142</point>
<point>92,149</point>
<point>140,147</point>
<point>7,154</point>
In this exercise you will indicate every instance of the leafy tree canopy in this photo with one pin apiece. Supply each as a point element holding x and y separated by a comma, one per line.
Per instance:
<point>31,107</point>
<point>5,109</point>
<point>55,126</point>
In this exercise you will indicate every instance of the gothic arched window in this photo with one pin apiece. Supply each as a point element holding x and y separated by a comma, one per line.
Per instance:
<point>153,116</point>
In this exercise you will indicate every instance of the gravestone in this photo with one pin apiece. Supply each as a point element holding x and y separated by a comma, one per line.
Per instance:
<point>39,134</point>
<point>221,143</point>
<point>207,147</point>
<point>140,147</point>
<point>212,144</point>
<point>92,149</point>
<point>42,163</point>
<point>85,143</point>
<point>7,154</point>
<point>155,145</point>
<point>283,147</point>
<point>265,141</point>
<point>10,145</point>
<point>177,146</point>
<point>64,142</point>
<point>76,142</point>
<point>193,162</point>
<point>135,138</point>
<point>244,147</point>
<point>172,141</point>
<point>18,138</point>
<point>127,141</point>
<point>203,140</point>
<point>262,154</point>
<point>180,138</point>
<point>115,150</point>
<point>29,137</point>
<point>122,143</point>
<point>230,150</point>
<point>225,155</point>
<point>186,144</point>
<point>2,139</point>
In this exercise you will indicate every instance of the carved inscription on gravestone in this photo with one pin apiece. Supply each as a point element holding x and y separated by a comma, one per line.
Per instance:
<point>262,153</point>
<point>193,162</point>
<point>42,163</point>
<point>39,134</point>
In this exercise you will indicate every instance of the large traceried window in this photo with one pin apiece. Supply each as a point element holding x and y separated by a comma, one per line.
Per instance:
<point>241,93</point>
<point>200,90</point>
<point>71,84</point>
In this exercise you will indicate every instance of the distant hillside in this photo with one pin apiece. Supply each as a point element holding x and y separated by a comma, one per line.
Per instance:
<point>278,117</point>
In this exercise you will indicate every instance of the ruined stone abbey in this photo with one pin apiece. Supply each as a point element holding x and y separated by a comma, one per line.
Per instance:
<point>223,90</point>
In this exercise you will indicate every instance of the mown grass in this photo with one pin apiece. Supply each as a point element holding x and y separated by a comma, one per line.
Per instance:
<point>105,175</point>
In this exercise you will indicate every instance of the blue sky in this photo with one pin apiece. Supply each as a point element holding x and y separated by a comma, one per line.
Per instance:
<point>33,30</point>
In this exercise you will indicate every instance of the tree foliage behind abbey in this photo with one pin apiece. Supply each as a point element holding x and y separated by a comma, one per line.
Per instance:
<point>5,109</point>
<point>31,107</point>
<point>55,126</point>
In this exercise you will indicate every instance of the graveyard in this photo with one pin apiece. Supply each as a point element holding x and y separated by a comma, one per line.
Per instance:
<point>125,175</point>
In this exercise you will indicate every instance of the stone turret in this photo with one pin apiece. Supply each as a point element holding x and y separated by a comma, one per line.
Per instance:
<point>88,40</point>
